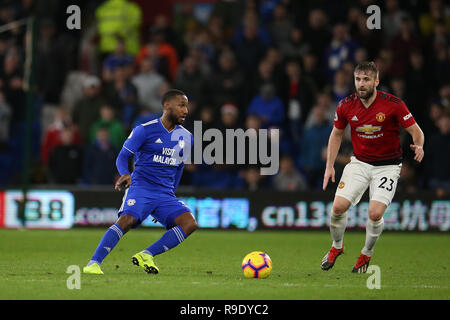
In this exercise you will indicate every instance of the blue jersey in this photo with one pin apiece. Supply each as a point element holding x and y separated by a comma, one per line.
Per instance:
<point>159,155</point>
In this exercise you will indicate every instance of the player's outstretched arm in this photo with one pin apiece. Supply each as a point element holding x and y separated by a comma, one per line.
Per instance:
<point>334,143</point>
<point>178,176</point>
<point>134,141</point>
<point>418,140</point>
<point>122,168</point>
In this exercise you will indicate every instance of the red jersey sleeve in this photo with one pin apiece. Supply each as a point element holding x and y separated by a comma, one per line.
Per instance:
<point>340,120</point>
<point>404,116</point>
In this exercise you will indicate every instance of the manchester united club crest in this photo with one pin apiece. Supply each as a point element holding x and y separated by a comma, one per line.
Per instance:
<point>380,116</point>
<point>341,184</point>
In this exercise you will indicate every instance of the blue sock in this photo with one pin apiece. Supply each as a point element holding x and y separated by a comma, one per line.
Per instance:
<point>108,242</point>
<point>169,240</point>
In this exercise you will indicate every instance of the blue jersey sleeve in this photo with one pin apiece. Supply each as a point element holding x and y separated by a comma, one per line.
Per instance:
<point>178,175</point>
<point>122,161</point>
<point>135,139</point>
<point>180,168</point>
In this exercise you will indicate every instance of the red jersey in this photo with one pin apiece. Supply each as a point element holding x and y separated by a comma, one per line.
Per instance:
<point>374,130</point>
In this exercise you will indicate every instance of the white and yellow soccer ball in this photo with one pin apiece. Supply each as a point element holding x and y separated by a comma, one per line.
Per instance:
<point>257,264</point>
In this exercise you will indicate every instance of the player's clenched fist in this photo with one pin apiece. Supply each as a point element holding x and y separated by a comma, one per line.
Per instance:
<point>418,150</point>
<point>329,173</point>
<point>124,178</point>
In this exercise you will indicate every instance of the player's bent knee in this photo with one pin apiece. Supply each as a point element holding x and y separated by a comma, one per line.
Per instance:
<point>375,215</point>
<point>340,208</point>
<point>194,226</point>
<point>340,205</point>
<point>190,227</point>
<point>187,222</point>
<point>126,222</point>
<point>376,210</point>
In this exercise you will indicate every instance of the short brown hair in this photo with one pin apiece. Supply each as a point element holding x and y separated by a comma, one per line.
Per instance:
<point>367,66</point>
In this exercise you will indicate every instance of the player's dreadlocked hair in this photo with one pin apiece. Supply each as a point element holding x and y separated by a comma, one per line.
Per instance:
<point>170,94</point>
<point>366,66</point>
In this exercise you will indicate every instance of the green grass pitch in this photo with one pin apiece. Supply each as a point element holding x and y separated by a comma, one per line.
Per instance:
<point>33,265</point>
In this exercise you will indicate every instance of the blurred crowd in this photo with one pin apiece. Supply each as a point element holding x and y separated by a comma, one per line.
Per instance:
<point>280,64</point>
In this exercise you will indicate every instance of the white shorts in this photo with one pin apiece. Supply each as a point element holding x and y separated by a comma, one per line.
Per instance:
<point>358,175</point>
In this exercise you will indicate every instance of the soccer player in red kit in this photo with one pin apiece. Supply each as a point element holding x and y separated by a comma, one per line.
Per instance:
<point>375,118</point>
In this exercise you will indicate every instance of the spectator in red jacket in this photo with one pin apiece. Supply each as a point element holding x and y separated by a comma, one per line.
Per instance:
<point>52,135</point>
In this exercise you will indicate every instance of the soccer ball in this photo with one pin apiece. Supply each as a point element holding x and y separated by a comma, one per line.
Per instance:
<point>256,264</point>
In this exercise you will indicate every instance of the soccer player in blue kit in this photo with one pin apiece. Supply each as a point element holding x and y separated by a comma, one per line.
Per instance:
<point>160,148</point>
